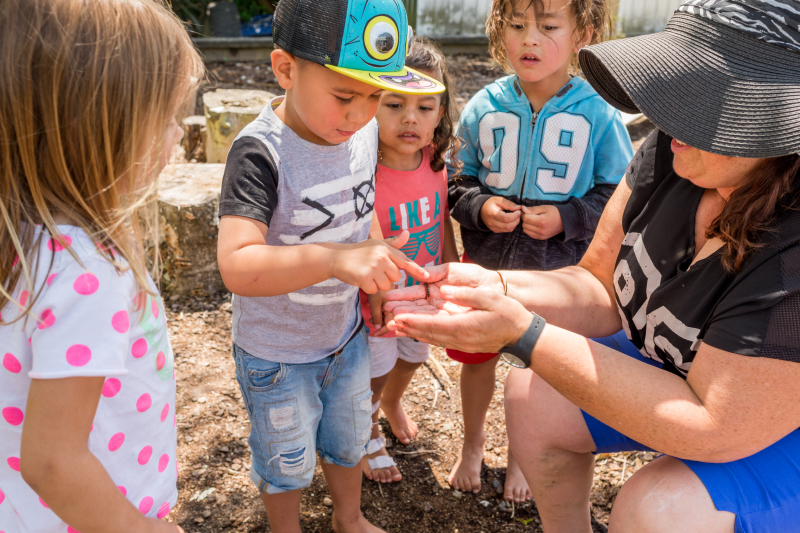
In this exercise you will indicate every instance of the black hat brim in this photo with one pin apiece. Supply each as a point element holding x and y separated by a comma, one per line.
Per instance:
<point>705,84</point>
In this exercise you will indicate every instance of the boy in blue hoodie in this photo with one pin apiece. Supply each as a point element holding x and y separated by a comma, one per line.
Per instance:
<point>543,153</point>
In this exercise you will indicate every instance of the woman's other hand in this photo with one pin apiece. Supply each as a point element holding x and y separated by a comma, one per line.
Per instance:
<point>456,274</point>
<point>464,318</point>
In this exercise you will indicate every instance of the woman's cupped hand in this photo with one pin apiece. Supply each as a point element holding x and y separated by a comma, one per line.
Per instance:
<point>463,308</point>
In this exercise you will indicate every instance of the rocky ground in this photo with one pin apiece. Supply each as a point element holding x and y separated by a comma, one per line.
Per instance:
<point>215,494</point>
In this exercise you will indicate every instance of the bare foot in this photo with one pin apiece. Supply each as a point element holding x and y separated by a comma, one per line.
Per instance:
<point>403,427</point>
<point>516,489</point>
<point>359,525</point>
<point>381,475</point>
<point>466,473</point>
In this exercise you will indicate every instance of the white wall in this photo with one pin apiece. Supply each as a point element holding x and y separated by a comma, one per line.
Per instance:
<point>452,17</point>
<point>467,17</point>
<point>645,16</point>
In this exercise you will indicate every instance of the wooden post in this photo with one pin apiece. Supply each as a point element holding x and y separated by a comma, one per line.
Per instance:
<point>188,204</point>
<point>227,112</point>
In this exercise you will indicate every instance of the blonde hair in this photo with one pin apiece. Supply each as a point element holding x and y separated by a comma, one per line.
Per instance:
<point>87,90</point>
<point>587,14</point>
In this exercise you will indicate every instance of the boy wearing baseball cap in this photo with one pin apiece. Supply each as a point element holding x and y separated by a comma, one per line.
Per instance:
<point>296,212</point>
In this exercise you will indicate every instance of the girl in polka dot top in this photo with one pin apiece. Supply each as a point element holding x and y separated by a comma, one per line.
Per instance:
<point>88,97</point>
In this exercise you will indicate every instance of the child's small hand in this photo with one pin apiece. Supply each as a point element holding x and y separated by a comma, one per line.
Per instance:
<point>376,303</point>
<point>541,222</point>
<point>501,215</point>
<point>375,265</point>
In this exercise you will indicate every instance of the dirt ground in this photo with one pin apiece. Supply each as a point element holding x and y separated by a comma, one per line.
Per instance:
<point>215,494</point>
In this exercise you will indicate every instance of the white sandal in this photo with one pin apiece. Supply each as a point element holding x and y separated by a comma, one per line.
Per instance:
<point>375,445</point>
<point>382,461</point>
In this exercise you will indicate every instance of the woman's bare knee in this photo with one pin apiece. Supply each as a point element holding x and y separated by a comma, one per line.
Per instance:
<point>537,415</point>
<point>666,496</point>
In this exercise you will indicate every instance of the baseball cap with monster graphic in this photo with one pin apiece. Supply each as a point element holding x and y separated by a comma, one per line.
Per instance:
<point>364,39</point>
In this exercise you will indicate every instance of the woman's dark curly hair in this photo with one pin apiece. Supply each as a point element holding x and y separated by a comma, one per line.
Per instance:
<point>426,56</point>
<point>752,210</point>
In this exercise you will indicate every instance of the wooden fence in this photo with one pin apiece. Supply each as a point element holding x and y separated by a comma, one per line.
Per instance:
<point>637,17</point>
<point>466,17</point>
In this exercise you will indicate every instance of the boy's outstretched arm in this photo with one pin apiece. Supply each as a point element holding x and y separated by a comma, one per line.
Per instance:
<point>249,267</point>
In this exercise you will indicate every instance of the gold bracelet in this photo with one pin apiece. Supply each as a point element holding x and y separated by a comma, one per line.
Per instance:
<point>503,282</point>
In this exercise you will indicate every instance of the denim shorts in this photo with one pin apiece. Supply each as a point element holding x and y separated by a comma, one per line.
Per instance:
<point>762,490</point>
<point>297,410</point>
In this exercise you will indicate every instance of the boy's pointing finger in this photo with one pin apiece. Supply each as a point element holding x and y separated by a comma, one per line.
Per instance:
<point>412,269</point>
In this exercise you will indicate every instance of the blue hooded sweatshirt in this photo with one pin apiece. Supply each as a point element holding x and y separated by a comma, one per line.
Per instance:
<point>572,154</point>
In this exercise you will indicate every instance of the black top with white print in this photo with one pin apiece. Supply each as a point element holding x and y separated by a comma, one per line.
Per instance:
<point>667,308</point>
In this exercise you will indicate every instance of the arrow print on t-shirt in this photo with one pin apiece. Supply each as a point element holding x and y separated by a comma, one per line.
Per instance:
<point>321,208</point>
<point>361,199</point>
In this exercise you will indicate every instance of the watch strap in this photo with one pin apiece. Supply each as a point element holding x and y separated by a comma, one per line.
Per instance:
<point>524,346</point>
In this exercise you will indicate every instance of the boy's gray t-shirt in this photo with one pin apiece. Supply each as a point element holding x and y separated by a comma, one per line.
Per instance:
<point>304,193</point>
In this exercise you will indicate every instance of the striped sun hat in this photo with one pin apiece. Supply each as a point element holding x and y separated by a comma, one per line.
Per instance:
<point>724,76</point>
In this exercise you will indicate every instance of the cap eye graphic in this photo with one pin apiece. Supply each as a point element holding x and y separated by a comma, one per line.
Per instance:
<point>381,38</point>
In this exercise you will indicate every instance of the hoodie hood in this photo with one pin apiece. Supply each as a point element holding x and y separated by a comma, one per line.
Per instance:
<point>509,92</point>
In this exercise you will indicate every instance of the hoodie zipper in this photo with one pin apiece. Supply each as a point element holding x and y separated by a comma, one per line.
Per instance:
<point>509,260</point>
<point>534,121</point>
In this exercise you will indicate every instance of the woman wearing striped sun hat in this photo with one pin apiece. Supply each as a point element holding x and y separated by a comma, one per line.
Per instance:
<point>697,260</point>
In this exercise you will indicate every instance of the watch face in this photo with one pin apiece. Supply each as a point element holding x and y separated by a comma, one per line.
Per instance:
<point>512,360</point>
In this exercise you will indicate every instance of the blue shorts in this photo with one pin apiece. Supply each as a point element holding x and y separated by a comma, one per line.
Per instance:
<point>763,490</point>
<point>297,410</point>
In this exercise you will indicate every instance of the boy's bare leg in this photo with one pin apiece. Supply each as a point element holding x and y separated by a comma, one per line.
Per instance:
<point>345,486</point>
<point>283,511</point>
<point>400,377</point>
<point>478,382</point>
<point>381,475</point>
<point>516,489</point>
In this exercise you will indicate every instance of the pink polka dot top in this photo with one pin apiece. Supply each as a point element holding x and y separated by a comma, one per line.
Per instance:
<point>87,322</point>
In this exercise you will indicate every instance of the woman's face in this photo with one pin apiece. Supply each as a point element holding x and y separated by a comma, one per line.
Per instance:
<point>711,171</point>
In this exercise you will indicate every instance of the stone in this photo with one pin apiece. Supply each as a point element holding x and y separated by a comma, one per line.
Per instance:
<point>327,501</point>
<point>427,507</point>
<point>188,206</point>
<point>199,520</point>
<point>206,513</point>
<point>227,112</point>
<point>457,494</point>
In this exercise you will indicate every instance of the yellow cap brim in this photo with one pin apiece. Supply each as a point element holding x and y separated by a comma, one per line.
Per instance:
<point>406,81</point>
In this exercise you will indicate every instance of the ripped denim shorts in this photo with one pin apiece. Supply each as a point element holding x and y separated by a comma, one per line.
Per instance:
<point>297,410</point>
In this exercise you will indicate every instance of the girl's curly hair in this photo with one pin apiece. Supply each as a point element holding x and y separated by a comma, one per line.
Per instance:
<point>425,55</point>
<point>593,14</point>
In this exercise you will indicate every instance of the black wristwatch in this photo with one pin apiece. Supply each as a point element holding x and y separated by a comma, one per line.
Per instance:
<point>519,353</point>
